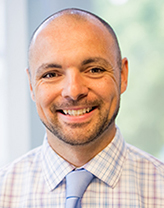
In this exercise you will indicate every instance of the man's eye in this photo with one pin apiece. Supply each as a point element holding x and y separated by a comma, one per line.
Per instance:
<point>96,70</point>
<point>50,75</point>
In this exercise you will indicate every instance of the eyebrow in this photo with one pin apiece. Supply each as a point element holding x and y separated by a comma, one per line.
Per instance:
<point>96,60</point>
<point>46,66</point>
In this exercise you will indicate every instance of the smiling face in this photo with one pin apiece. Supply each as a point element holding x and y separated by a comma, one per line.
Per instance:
<point>75,80</point>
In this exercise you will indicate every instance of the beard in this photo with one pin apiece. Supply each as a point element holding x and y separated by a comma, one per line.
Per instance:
<point>79,134</point>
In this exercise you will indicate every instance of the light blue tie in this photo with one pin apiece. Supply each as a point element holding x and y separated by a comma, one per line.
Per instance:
<point>76,183</point>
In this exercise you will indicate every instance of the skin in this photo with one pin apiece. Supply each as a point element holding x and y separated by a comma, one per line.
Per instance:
<point>72,67</point>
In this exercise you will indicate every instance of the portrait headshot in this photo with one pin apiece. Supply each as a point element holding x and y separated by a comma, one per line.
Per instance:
<point>83,147</point>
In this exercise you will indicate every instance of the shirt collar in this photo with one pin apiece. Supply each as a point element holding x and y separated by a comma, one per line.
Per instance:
<point>54,167</point>
<point>107,165</point>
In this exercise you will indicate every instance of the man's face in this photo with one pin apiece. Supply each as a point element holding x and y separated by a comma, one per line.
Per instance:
<point>75,80</point>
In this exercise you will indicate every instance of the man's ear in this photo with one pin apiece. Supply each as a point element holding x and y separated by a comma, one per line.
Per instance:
<point>30,84</point>
<point>124,75</point>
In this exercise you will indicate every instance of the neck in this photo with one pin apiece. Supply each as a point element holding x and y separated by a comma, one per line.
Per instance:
<point>79,155</point>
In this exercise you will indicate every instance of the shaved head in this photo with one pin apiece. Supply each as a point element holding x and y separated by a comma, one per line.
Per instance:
<point>78,16</point>
<point>76,76</point>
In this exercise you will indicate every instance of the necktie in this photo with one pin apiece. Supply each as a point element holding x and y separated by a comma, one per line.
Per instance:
<point>76,183</point>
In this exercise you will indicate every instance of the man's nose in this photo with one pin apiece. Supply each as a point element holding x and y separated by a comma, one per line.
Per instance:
<point>74,85</point>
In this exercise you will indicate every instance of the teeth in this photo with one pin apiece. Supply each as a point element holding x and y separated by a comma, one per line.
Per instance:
<point>76,112</point>
<point>88,110</point>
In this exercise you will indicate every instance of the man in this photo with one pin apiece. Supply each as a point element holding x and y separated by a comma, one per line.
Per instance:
<point>76,76</point>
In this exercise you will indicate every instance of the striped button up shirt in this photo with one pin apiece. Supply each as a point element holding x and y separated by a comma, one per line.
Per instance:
<point>125,177</point>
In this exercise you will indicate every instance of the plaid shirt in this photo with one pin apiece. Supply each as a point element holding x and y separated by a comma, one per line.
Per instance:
<point>125,177</point>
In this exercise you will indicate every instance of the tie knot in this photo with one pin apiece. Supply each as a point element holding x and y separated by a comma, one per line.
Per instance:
<point>76,182</point>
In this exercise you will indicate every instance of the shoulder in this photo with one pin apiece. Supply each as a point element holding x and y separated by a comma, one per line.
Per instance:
<point>22,165</point>
<point>144,162</point>
<point>18,178</point>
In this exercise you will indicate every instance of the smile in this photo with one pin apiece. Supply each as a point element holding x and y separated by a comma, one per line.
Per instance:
<point>79,112</point>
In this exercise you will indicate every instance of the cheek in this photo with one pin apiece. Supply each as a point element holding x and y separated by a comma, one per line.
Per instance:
<point>107,89</point>
<point>44,96</point>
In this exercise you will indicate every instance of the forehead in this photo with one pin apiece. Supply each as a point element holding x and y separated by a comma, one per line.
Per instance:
<point>72,32</point>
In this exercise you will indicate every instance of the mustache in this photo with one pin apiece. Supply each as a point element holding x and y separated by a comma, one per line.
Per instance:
<point>74,103</point>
